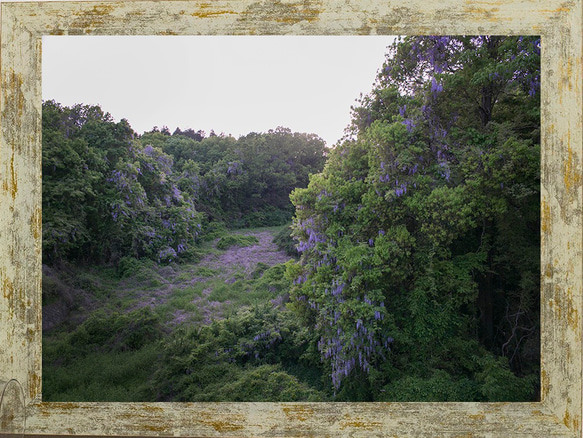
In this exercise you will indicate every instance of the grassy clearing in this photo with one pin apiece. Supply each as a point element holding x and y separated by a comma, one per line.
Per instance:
<point>113,351</point>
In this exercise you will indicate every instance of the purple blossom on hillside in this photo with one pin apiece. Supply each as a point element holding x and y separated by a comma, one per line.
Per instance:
<point>436,87</point>
<point>323,193</point>
<point>167,254</point>
<point>148,150</point>
<point>400,189</point>
<point>150,233</point>
<point>301,279</point>
<point>337,288</point>
<point>234,168</point>
<point>385,178</point>
<point>445,172</point>
<point>165,163</point>
<point>534,85</point>
<point>409,124</point>
<point>176,193</point>
<point>313,235</point>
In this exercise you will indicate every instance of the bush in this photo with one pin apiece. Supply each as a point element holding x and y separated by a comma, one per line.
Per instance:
<point>273,281</point>
<point>236,240</point>
<point>102,376</point>
<point>238,359</point>
<point>266,383</point>
<point>213,230</point>
<point>130,267</point>
<point>285,242</point>
<point>499,383</point>
<point>259,270</point>
<point>441,387</point>
<point>117,332</point>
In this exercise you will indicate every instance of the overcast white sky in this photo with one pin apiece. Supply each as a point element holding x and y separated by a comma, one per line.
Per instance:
<point>233,85</point>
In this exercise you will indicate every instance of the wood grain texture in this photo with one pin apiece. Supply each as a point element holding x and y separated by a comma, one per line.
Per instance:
<point>558,22</point>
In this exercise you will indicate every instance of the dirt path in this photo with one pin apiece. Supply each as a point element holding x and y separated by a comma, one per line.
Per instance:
<point>248,257</point>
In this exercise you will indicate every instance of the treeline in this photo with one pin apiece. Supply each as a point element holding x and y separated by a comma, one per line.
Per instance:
<point>109,193</point>
<point>420,239</point>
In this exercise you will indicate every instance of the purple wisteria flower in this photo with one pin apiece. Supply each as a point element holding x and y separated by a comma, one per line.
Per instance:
<point>436,87</point>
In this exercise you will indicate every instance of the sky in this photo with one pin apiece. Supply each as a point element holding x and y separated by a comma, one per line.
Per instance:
<point>232,85</point>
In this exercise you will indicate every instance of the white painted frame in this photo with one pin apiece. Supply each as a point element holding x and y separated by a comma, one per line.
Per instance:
<point>560,25</point>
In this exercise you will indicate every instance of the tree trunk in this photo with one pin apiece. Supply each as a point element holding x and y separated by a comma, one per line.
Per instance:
<point>485,305</point>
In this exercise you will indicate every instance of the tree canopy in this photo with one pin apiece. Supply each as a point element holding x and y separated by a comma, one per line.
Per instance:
<point>109,193</point>
<point>420,238</point>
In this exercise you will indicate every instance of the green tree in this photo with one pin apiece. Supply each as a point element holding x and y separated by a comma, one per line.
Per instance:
<point>106,194</point>
<point>419,239</point>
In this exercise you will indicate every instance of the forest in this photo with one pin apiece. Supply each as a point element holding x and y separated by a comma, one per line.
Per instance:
<point>400,264</point>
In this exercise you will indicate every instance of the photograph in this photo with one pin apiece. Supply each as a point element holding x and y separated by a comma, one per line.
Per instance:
<point>256,220</point>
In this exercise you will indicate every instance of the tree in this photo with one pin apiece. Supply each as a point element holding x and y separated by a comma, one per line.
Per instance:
<point>419,238</point>
<point>107,195</point>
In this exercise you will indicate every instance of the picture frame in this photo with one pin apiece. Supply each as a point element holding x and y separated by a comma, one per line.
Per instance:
<point>558,22</point>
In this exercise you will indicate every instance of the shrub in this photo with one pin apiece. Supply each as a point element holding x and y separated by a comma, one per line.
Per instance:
<point>130,267</point>
<point>213,230</point>
<point>239,359</point>
<point>117,332</point>
<point>236,240</point>
<point>441,386</point>
<point>273,281</point>
<point>285,242</point>
<point>266,383</point>
<point>259,270</point>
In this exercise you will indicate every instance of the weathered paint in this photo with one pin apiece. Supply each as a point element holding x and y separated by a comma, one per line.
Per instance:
<point>559,23</point>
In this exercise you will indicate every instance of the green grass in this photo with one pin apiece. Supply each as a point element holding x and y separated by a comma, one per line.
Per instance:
<point>103,376</point>
<point>206,272</point>
<point>232,292</point>
<point>183,298</point>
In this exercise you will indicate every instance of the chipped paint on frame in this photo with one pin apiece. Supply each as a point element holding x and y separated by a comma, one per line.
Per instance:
<point>558,22</point>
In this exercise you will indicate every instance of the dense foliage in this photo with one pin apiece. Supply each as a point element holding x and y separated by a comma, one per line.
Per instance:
<point>109,193</point>
<point>420,239</point>
<point>244,182</point>
<point>416,254</point>
<point>251,356</point>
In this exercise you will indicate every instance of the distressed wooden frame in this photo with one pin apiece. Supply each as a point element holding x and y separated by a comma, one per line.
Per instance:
<point>560,25</point>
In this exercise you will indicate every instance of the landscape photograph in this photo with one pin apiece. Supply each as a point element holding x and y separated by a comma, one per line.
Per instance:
<point>290,219</point>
